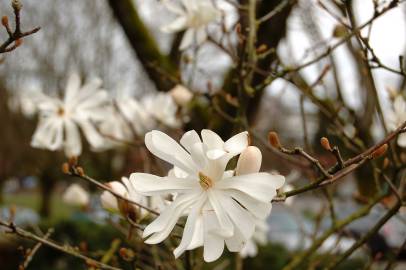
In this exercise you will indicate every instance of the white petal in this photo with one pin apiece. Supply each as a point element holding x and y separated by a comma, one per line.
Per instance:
<point>240,216</point>
<point>189,139</point>
<point>49,134</point>
<point>237,143</point>
<point>213,243</point>
<point>72,87</point>
<point>92,135</point>
<point>177,25</point>
<point>166,148</point>
<point>109,201</point>
<point>259,209</point>
<point>197,239</point>
<point>226,228</point>
<point>211,139</point>
<point>249,161</point>
<point>187,40</point>
<point>198,153</point>
<point>190,227</point>
<point>201,35</point>
<point>216,153</point>
<point>402,140</point>
<point>261,186</point>
<point>399,105</point>
<point>237,242</point>
<point>163,225</point>
<point>73,143</point>
<point>148,184</point>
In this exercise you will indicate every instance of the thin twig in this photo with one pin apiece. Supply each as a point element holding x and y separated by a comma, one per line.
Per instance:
<point>65,249</point>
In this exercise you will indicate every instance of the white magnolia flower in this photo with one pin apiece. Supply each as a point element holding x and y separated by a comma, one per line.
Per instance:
<point>26,102</point>
<point>75,195</point>
<point>221,207</point>
<point>260,237</point>
<point>193,16</point>
<point>126,189</point>
<point>60,120</point>
<point>181,95</point>
<point>396,117</point>
<point>162,108</point>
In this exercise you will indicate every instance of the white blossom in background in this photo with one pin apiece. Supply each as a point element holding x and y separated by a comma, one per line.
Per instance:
<point>163,110</point>
<point>181,95</point>
<point>193,16</point>
<point>396,117</point>
<point>60,120</point>
<point>222,208</point>
<point>26,103</point>
<point>127,190</point>
<point>76,195</point>
<point>260,237</point>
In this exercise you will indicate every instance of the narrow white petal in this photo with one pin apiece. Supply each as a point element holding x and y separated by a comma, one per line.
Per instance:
<point>189,139</point>
<point>261,186</point>
<point>73,143</point>
<point>177,25</point>
<point>237,242</point>
<point>241,218</point>
<point>161,227</point>
<point>402,140</point>
<point>237,143</point>
<point>188,39</point>
<point>201,35</point>
<point>211,139</point>
<point>92,135</point>
<point>226,228</point>
<point>148,184</point>
<point>213,243</point>
<point>249,161</point>
<point>257,208</point>
<point>72,87</point>
<point>197,239</point>
<point>166,148</point>
<point>190,228</point>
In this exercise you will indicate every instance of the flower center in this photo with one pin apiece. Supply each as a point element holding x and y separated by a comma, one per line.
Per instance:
<point>61,111</point>
<point>205,181</point>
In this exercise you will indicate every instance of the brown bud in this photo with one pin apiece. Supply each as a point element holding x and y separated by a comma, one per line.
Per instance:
<point>73,161</point>
<point>339,31</point>
<point>386,163</point>
<point>80,171</point>
<point>127,254</point>
<point>274,139</point>
<point>4,21</point>
<point>65,168</point>
<point>262,48</point>
<point>18,42</point>
<point>325,143</point>
<point>379,152</point>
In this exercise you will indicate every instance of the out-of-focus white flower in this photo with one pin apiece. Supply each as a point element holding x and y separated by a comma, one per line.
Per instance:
<point>193,16</point>
<point>75,195</point>
<point>181,95</point>
<point>221,207</point>
<point>397,116</point>
<point>126,189</point>
<point>60,120</point>
<point>260,237</point>
<point>162,108</point>
<point>26,103</point>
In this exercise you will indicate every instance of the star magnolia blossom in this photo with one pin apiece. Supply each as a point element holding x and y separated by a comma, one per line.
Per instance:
<point>162,108</point>
<point>75,195</point>
<point>60,120</point>
<point>195,16</point>
<point>396,117</point>
<point>221,207</point>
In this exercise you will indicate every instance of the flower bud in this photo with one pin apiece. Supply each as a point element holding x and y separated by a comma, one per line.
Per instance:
<point>325,143</point>
<point>249,161</point>
<point>75,195</point>
<point>274,139</point>
<point>379,152</point>
<point>108,200</point>
<point>16,4</point>
<point>181,95</point>
<point>4,21</point>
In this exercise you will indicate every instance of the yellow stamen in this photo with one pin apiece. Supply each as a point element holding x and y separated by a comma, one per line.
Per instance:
<point>205,181</point>
<point>61,111</point>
